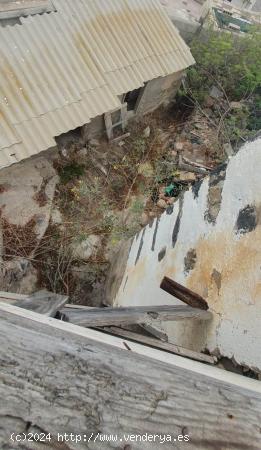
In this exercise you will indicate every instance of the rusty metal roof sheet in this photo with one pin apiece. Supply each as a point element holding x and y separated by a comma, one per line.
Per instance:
<point>60,70</point>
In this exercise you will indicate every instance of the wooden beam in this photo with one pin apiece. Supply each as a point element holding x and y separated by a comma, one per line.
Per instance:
<point>98,317</point>
<point>172,348</point>
<point>58,378</point>
<point>184,294</point>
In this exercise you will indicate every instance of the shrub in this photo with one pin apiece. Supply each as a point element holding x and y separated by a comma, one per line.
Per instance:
<point>230,61</point>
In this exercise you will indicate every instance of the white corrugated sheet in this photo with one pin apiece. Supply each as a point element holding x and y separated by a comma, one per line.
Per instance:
<point>60,70</point>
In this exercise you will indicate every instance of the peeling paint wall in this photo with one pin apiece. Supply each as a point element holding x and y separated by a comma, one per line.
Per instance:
<point>209,241</point>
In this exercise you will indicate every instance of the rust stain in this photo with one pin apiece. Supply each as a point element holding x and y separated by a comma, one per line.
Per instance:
<point>136,275</point>
<point>236,260</point>
<point>15,85</point>
<point>110,26</point>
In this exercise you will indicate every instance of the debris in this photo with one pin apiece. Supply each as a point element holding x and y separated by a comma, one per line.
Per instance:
<point>98,317</point>
<point>87,248</point>
<point>56,217</point>
<point>18,275</point>
<point>172,190</point>
<point>187,176</point>
<point>209,102</point>
<point>236,105</point>
<point>126,346</point>
<point>98,165</point>
<point>146,132</point>
<point>120,138</point>
<point>162,204</point>
<point>164,138</point>
<point>43,302</point>
<point>191,168</point>
<point>201,166</point>
<point>216,93</point>
<point>184,294</point>
<point>82,153</point>
<point>171,201</point>
<point>179,146</point>
<point>155,330</point>
<point>152,342</point>
<point>64,153</point>
<point>94,142</point>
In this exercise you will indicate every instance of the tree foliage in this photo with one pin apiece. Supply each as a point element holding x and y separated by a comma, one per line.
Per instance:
<point>227,60</point>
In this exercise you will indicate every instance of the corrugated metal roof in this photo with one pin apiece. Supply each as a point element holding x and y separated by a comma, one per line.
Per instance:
<point>60,70</point>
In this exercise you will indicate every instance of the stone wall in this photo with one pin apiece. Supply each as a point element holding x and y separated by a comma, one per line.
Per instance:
<point>210,242</point>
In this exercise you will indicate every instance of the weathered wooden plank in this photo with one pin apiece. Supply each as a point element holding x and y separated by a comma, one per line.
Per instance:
<point>97,317</point>
<point>43,302</point>
<point>11,297</point>
<point>161,345</point>
<point>184,294</point>
<point>57,378</point>
<point>155,329</point>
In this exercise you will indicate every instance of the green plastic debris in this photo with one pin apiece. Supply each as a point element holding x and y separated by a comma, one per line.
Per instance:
<point>171,190</point>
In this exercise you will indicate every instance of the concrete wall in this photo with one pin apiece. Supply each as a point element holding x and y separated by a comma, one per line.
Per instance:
<point>210,242</point>
<point>94,129</point>
<point>158,91</point>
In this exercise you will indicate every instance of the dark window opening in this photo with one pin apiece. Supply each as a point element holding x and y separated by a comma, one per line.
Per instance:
<point>131,98</point>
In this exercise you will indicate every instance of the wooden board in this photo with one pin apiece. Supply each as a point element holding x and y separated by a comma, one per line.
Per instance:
<point>43,302</point>
<point>172,348</point>
<point>97,317</point>
<point>183,293</point>
<point>60,378</point>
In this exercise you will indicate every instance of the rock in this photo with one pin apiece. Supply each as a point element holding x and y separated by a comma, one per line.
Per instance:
<point>173,153</point>
<point>236,105</point>
<point>179,146</point>
<point>82,153</point>
<point>146,132</point>
<point>94,143</point>
<point>171,200</point>
<point>87,248</point>
<point>64,153</point>
<point>56,217</point>
<point>216,93</point>
<point>187,176</point>
<point>162,195</point>
<point>162,204</point>
<point>89,284</point>
<point>209,102</point>
<point>146,170</point>
<point>144,219</point>
<point>31,189</point>
<point>18,276</point>
<point>164,137</point>
<point>228,149</point>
